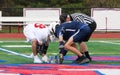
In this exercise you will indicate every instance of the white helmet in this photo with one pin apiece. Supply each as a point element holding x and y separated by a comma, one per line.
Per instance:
<point>52,31</point>
<point>52,26</point>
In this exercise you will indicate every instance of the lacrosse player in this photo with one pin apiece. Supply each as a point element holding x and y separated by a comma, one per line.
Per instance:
<point>80,17</point>
<point>80,33</point>
<point>39,36</point>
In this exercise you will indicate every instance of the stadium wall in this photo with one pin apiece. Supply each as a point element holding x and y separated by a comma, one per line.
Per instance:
<point>30,15</point>
<point>107,19</point>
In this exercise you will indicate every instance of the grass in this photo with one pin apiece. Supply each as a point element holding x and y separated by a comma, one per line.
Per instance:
<point>95,46</point>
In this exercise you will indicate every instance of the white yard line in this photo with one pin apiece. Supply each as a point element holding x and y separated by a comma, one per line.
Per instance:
<point>15,53</point>
<point>9,74</point>
<point>12,41</point>
<point>15,45</point>
<point>109,42</point>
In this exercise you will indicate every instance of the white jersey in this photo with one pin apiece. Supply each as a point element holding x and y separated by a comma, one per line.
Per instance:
<point>36,31</point>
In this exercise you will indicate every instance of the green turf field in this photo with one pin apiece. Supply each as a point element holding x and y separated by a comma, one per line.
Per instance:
<point>96,47</point>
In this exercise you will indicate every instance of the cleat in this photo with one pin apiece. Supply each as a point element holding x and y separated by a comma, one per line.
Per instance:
<point>45,59</point>
<point>86,60</point>
<point>81,60</point>
<point>90,59</point>
<point>37,60</point>
<point>75,61</point>
<point>88,56</point>
<point>61,58</point>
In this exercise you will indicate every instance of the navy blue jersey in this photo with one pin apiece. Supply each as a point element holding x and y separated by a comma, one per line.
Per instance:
<point>67,29</point>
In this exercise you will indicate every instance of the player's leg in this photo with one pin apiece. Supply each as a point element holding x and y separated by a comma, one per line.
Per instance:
<point>62,53</point>
<point>42,50</point>
<point>81,58</point>
<point>84,50</point>
<point>35,57</point>
<point>44,53</point>
<point>31,38</point>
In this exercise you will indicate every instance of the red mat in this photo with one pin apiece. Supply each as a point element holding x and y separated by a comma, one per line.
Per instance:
<point>53,69</point>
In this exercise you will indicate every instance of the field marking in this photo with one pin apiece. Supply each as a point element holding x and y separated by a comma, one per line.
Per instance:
<point>15,53</point>
<point>16,46</point>
<point>109,42</point>
<point>9,74</point>
<point>100,71</point>
<point>14,41</point>
<point>103,71</point>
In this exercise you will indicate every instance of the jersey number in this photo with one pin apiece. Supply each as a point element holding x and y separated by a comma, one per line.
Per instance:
<point>41,26</point>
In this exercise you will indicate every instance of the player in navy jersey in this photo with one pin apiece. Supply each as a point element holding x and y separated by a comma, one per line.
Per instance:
<point>76,32</point>
<point>80,18</point>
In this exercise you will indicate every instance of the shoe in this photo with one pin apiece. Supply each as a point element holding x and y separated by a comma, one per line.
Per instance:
<point>75,61</point>
<point>81,60</point>
<point>88,55</point>
<point>61,58</point>
<point>45,59</point>
<point>90,59</point>
<point>37,60</point>
<point>86,60</point>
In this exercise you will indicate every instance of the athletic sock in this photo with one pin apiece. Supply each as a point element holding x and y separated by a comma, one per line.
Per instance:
<point>44,49</point>
<point>87,55</point>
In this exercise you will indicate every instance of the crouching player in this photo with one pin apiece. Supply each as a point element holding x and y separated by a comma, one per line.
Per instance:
<point>39,36</point>
<point>85,19</point>
<point>70,32</point>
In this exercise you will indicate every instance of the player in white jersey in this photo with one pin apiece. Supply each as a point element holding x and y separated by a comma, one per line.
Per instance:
<point>39,36</point>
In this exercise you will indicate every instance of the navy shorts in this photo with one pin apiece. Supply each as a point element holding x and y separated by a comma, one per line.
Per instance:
<point>82,35</point>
